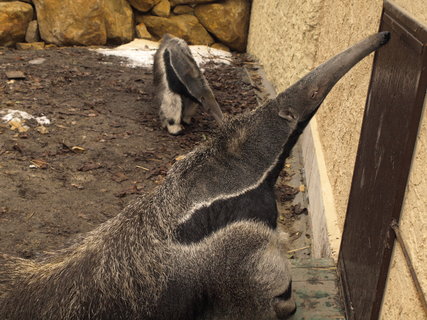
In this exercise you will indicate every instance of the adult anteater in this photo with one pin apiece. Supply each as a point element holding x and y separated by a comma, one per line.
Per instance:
<point>202,245</point>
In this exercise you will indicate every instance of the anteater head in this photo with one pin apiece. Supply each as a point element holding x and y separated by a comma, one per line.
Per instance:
<point>302,99</point>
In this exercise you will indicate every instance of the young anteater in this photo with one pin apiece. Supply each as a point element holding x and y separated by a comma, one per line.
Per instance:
<point>202,245</point>
<point>180,85</point>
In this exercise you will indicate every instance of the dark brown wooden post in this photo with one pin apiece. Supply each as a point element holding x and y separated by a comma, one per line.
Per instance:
<point>390,125</point>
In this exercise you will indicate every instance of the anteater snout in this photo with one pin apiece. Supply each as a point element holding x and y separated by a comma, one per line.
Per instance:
<point>386,37</point>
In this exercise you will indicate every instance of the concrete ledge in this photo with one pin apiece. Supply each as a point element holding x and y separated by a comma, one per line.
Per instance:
<point>324,221</point>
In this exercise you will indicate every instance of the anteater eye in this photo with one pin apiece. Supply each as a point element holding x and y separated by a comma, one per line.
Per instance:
<point>314,94</point>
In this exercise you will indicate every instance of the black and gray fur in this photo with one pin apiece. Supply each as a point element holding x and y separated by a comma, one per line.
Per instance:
<point>132,268</point>
<point>233,177</point>
<point>180,86</point>
<point>202,245</point>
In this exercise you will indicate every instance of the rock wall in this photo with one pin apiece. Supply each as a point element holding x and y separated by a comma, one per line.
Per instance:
<point>221,23</point>
<point>290,38</point>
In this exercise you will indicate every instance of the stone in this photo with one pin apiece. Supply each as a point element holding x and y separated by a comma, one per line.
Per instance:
<point>30,46</point>
<point>177,2</point>
<point>143,5</point>
<point>119,21</point>
<point>184,9</point>
<point>228,21</point>
<point>162,9</point>
<point>69,22</point>
<point>220,46</point>
<point>37,61</point>
<point>15,75</point>
<point>32,34</point>
<point>183,26</point>
<point>84,22</point>
<point>27,1</point>
<point>142,32</point>
<point>14,19</point>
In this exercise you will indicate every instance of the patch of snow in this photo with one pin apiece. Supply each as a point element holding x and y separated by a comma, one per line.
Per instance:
<point>136,57</point>
<point>203,54</point>
<point>139,44</point>
<point>141,52</point>
<point>18,115</point>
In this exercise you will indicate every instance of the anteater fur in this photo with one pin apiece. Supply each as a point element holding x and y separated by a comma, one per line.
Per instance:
<point>202,245</point>
<point>180,86</point>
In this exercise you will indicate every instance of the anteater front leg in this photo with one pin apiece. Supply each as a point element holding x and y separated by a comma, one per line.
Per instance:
<point>189,109</point>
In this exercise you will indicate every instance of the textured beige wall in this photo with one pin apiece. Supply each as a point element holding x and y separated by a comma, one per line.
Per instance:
<point>340,117</point>
<point>283,35</point>
<point>291,37</point>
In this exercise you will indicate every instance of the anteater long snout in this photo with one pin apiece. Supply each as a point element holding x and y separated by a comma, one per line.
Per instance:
<point>306,95</point>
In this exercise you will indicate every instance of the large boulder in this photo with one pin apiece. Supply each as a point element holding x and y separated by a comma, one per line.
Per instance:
<point>27,1</point>
<point>228,21</point>
<point>84,22</point>
<point>184,9</point>
<point>183,26</point>
<point>177,2</point>
<point>142,32</point>
<point>118,21</point>
<point>71,22</point>
<point>143,5</point>
<point>162,9</point>
<point>14,19</point>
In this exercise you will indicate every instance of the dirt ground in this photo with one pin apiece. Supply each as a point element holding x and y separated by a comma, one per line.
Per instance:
<point>103,148</point>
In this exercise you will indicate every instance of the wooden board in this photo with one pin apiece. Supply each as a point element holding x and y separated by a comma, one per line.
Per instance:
<point>389,131</point>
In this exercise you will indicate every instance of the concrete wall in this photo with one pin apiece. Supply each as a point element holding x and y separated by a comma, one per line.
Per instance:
<point>290,38</point>
<point>283,35</point>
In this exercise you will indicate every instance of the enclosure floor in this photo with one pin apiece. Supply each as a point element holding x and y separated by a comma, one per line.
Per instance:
<point>316,291</point>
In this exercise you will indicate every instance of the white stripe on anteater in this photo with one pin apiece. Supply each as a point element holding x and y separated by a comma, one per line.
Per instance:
<point>209,202</point>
